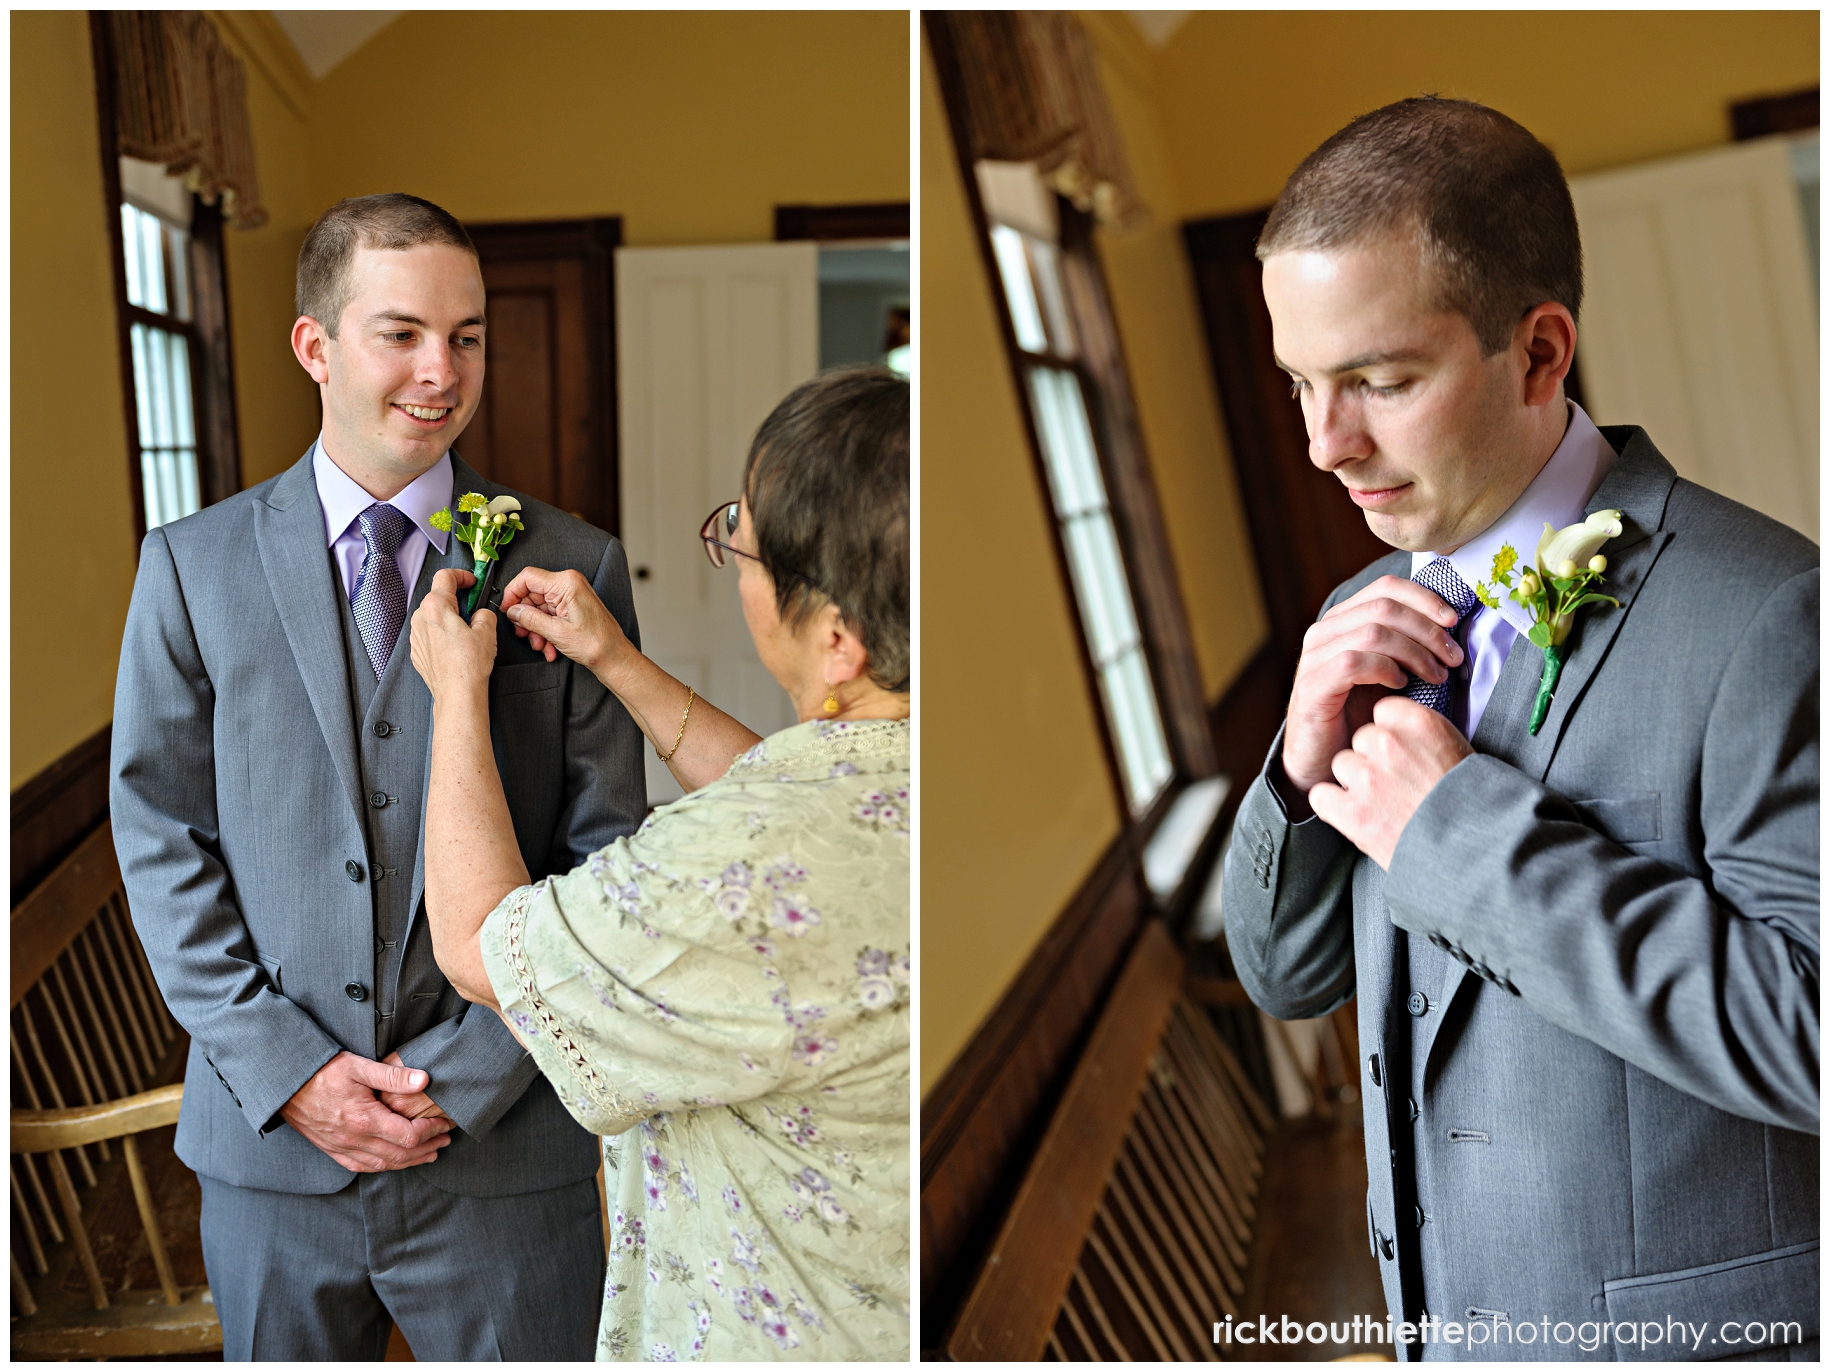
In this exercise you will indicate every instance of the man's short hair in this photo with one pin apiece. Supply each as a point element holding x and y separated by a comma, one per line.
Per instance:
<point>1485,199</point>
<point>828,484</point>
<point>393,220</point>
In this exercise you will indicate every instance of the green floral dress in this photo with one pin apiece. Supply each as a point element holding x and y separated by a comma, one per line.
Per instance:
<point>725,993</point>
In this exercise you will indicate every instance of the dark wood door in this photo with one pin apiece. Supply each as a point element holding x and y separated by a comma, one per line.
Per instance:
<point>547,422</point>
<point>1307,535</point>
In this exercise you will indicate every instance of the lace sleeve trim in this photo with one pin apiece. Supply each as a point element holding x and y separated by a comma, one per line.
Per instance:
<point>602,1094</point>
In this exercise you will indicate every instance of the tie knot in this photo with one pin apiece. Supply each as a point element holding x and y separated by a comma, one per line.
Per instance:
<point>1441,577</point>
<point>384,526</point>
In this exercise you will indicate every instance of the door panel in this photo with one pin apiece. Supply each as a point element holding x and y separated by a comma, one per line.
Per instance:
<point>709,340</point>
<point>1699,322</point>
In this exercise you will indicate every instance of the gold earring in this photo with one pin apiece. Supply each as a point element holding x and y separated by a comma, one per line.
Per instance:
<point>831,706</point>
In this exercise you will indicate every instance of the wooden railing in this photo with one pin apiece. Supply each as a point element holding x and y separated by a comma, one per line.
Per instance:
<point>95,1054</point>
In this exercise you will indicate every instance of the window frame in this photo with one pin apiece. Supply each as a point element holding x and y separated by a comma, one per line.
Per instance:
<point>211,355</point>
<point>1137,519</point>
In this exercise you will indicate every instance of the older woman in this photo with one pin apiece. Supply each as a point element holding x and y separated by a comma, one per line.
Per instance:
<point>732,981</point>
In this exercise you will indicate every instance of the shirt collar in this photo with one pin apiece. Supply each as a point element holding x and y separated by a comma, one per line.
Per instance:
<point>1558,496</point>
<point>343,500</point>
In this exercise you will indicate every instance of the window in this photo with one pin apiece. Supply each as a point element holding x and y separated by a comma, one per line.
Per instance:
<point>1030,268</point>
<point>160,328</point>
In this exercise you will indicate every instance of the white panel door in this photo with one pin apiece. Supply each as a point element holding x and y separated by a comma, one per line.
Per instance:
<point>708,341</point>
<point>1700,321</point>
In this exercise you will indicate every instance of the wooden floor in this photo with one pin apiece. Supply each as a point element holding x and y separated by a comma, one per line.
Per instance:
<point>1310,1259</point>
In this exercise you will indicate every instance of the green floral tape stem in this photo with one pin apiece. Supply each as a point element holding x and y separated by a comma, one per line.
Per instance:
<point>1569,565</point>
<point>488,525</point>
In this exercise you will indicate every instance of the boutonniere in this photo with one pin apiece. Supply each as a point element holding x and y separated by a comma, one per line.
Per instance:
<point>1569,565</point>
<point>487,526</point>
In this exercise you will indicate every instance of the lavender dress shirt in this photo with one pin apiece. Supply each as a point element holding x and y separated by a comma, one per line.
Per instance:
<point>342,500</point>
<point>1558,496</point>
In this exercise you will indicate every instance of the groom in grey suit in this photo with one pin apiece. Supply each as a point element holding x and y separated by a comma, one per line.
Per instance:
<point>370,1147</point>
<point>1586,955</point>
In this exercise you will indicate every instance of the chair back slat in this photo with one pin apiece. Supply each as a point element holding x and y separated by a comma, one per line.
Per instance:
<point>22,1210</point>
<point>103,1038</point>
<point>61,906</point>
<point>123,997</point>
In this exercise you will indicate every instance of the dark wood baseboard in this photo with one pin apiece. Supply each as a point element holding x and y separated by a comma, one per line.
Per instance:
<point>982,1122</point>
<point>59,808</point>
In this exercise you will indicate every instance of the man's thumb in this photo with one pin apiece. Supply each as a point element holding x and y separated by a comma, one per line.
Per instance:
<point>385,1076</point>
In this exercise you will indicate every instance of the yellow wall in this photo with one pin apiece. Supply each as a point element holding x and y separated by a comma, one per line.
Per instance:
<point>1153,297</point>
<point>1243,96</point>
<point>1017,804</point>
<point>73,555</point>
<point>693,127</point>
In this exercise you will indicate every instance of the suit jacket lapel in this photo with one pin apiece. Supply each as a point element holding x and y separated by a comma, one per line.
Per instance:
<point>289,531</point>
<point>1638,486</point>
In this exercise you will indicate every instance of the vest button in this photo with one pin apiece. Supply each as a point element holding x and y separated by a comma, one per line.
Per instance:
<point>354,869</point>
<point>356,991</point>
<point>1418,1004</point>
<point>383,728</point>
<point>378,799</point>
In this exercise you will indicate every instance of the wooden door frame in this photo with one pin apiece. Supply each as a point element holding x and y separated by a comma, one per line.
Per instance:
<point>593,244</point>
<point>841,223</point>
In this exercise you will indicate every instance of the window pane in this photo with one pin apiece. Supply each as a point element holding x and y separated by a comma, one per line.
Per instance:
<point>1047,264</point>
<point>1067,441</point>
<point>168,430</point>
<point>177,258</point>
<point>179,350</point>
<point>1099,582</point>
<point>1144,752</point>
<point>141,338</point>
<point>1019,290</point>
<point>130,250</point>
<point>152,261</point>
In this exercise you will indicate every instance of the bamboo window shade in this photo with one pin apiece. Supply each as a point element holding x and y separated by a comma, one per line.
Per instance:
<point>1032,94</point>
<point>181,101</point>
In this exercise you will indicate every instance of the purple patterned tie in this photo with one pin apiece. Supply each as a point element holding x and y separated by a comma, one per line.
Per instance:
<point>380,599</point>
<point>1441,578</point>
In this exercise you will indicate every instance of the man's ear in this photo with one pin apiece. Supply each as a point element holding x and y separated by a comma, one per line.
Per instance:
<point>310,344</point>
<point>1548,333</point>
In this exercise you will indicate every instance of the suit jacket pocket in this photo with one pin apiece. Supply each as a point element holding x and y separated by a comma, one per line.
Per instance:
<point>1760,1301</point>
<point>1625,819</point>
<point>521,678</point>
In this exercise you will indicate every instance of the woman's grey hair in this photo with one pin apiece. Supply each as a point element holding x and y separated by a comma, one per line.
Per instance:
<point>828,485</point>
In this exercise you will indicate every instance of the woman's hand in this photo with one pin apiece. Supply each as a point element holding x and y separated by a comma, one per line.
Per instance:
<point>452,656</point>
<point>558,612</point>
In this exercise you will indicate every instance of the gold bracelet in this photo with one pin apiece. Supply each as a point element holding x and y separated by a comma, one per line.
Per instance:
<point>668,755</point>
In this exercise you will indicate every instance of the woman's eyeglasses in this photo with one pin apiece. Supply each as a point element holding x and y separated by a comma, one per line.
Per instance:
<point>719,527</point>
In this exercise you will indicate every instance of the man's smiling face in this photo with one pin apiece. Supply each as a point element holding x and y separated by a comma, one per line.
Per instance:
<point>1432,440</point>
<point>405,372</point>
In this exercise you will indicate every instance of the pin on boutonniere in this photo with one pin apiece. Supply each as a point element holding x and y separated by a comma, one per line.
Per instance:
<point>488,525</point>
<point>1569,564</point>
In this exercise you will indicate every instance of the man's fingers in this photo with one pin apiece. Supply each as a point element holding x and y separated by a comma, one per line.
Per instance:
<point>1353,626</point>
<point>530,583</point>
<point>1419,597</point>
<point>1329,803</point>
<point>447,582</point>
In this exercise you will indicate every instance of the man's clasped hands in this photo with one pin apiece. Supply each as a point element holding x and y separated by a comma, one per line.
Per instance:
<point>1362,758</point>
<point>369,1116</point>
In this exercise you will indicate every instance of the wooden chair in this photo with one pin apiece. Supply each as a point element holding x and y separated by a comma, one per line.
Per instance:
<point>1128,1237</point>
<point>95,1054</point>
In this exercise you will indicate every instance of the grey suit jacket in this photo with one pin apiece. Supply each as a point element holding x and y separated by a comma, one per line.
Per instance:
<point>237,794</point>
<point>1619,1066</point>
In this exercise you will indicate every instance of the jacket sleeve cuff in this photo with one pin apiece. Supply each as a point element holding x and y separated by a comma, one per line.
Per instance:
<point>476,1069</point>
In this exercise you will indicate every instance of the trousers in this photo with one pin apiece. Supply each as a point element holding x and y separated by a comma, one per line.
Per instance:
<point>466,1278</point>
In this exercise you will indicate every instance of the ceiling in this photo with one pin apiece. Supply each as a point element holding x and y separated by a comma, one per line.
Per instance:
<point>324,38</point>
<point>1158,26</point>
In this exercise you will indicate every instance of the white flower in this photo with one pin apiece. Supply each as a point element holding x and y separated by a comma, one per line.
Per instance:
<point>900,968</point>
<point>876,992</point>
<point>732,901</point>
<point>794,918</point>
<point>502,504</point>
<point>831,1210</point>
<point>1578,543</point>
